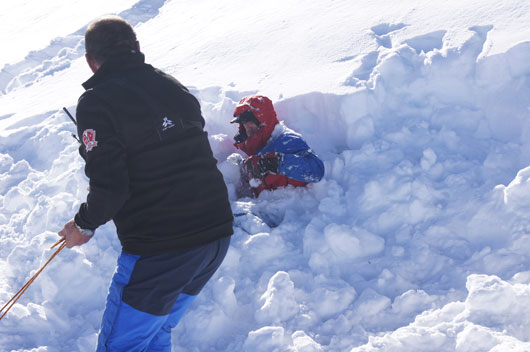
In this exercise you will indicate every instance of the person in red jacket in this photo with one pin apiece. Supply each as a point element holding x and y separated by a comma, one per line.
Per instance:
<point>277,156</point>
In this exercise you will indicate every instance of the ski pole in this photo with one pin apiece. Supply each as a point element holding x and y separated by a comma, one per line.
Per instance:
<point>70,115</point>
<point>73,120</point>
<point>20,292</point>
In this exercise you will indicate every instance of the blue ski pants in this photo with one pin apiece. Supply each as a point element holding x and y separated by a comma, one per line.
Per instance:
<point>149,294</point>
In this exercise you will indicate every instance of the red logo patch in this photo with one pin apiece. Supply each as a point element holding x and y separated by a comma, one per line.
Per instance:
<point>89,139</point>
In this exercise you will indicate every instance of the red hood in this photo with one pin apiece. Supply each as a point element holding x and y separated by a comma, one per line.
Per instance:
<point>263,110</point>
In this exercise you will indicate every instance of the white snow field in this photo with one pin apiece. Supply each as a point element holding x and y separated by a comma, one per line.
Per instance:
<point>417,238</point>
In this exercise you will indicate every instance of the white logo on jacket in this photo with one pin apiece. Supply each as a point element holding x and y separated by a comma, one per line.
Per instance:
<point>167,124</point>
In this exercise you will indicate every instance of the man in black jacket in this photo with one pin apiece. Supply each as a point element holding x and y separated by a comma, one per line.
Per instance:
<point>152,172</point>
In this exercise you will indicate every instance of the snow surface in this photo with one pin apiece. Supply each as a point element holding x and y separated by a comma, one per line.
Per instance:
<point>417,238</point>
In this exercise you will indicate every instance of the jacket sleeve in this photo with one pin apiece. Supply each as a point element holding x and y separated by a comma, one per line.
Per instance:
<point>299,162</point>
<point>105,157</point>
<point>302,166</point>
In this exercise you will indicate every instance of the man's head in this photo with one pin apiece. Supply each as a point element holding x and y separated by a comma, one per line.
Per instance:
<point>257,120</point>
<point>249,122</point>
<point>106,37</point>
<point>254,112</point>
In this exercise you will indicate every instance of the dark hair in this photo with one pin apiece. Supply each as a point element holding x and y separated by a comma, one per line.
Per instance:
<point>108,36</point>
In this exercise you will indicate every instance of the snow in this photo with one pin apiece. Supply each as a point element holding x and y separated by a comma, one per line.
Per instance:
<point>472,325</point>
<point>417,238</point>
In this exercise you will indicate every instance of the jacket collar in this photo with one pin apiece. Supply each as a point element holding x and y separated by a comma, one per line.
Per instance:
<point>113,65</point>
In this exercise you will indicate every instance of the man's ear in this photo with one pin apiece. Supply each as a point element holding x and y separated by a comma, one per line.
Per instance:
<point>138,46</point>
<point>94,66</point>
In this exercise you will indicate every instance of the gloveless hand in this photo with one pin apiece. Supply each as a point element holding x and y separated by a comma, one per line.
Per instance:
<point>72,235</point>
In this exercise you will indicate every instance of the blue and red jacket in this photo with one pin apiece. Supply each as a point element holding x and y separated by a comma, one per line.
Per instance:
<point>298,164</point>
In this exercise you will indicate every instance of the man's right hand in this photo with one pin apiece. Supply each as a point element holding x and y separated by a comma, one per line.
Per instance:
<point>72,235</point>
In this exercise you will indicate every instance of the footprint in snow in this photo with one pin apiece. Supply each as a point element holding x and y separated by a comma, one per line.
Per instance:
<point>427,42</point>
<point>382,33</point>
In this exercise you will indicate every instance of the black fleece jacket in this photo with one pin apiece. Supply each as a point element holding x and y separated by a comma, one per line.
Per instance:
<point>149,162</point>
